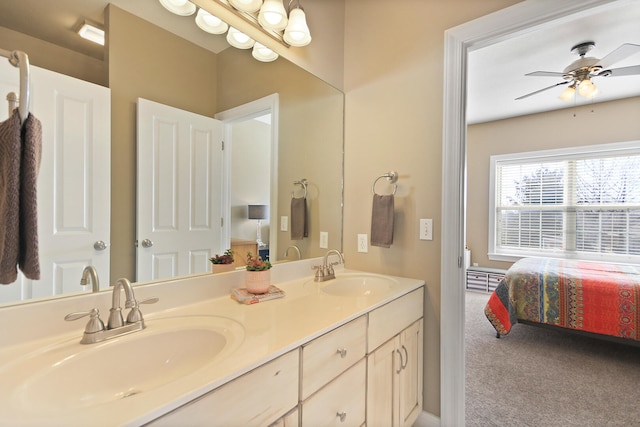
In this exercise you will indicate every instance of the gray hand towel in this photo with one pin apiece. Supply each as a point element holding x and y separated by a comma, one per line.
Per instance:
<point>299,228</point>
<point>10,147</point>
<point>29,260</point>
<point>382,221</point>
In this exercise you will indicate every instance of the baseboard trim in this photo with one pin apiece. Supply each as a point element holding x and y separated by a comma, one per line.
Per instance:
<point>427,419</point>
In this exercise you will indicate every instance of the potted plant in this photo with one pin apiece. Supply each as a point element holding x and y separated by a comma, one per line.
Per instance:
<point>258,278</point>
<point>222,263</point>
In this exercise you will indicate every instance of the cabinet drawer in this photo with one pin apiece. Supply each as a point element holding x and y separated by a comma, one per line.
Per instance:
<point>387,321</point>
<point>329,355</point>
<point>494,280</point>
<point>251,400</point>
<point>344,395</point>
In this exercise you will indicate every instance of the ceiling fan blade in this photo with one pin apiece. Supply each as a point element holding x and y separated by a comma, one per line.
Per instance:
<point>545,74</point>
<point>618,54</point>
<point>623,71</point>
<point>541,90</point>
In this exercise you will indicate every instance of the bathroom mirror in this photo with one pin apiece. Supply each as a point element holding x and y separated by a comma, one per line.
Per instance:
<point>310,141</point>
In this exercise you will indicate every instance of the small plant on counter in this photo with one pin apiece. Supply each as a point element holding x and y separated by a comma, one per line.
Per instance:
<point>257,263</point>
<point>226,258</point>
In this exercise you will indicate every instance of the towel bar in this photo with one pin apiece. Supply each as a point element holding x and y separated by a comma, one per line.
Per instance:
<point>392,177</point>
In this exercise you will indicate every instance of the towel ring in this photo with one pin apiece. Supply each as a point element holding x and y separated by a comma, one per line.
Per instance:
<point>303,183</point>
<point>392,177</point>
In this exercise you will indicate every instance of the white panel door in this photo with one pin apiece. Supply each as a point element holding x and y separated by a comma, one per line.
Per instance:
<point>74,185</point>
<point>179,191</point>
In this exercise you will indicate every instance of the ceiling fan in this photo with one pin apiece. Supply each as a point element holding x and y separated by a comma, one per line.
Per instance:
<point>579,73</point>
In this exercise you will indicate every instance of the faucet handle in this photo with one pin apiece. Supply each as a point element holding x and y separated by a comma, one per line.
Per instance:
<point>135,315</point>
<point>95,323</point>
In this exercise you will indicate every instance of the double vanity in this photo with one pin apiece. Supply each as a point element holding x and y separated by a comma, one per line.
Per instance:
<point>345,351</point>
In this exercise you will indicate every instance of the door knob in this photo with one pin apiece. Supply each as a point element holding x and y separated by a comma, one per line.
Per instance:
<point>99,245</point>
<point>146,243</point>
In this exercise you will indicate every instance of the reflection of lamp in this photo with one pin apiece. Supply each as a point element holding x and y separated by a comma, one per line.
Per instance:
<point>259,212</point>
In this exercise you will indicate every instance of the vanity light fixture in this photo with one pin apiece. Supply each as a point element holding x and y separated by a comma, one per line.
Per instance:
<point>263,53</point>
<point>249,6</point>
<point>179,7</point>
<point>297,31</point>
<point>237,38</point>
<point>210,23</point>
<point>272,15</point>
<point>92,33</point>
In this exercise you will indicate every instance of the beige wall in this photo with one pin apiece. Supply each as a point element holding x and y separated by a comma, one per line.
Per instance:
<point>146,61</point>
<point>593,124</point>
<point>394,54</point>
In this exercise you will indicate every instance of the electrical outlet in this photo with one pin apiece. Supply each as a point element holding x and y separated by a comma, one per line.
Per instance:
<point>324,239</point>
<point>363,244</point>
<point>426,229</point>
<point>284,223</point>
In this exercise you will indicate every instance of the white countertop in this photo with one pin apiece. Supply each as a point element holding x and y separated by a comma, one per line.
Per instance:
<point>271,328</point>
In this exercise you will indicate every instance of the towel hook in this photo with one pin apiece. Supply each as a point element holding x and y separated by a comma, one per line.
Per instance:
<point>303,183</point>
<point>392,178</point>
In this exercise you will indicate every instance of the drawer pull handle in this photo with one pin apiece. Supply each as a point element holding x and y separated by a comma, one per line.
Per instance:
<point>342,415</point>
<point>406,357</point>
<point>401,361</point>
<point>342,352</point>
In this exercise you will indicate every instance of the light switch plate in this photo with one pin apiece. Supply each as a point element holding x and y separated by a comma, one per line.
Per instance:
<point>426,229</point>
<point>324,239</point>
<point>284,223</point>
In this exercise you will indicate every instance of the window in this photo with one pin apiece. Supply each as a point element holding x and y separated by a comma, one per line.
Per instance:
<point>575,203</point>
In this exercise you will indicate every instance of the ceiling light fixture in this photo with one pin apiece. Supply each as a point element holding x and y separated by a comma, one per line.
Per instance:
<point>92,33</point>
<point>249,6</point>
<point>263,53</point>
<point>297,32</point>
<point>179,7</point>
<point>238,39</point>
<point>272,15</point>
<point>210,23</point>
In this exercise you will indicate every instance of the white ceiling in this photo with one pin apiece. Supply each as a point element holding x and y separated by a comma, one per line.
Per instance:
<point>496,73</point>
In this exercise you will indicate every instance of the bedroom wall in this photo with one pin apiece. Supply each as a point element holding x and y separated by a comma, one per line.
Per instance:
<point>601,123</point>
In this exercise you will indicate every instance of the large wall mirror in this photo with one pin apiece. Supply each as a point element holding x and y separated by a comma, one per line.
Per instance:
<point>143,60</point>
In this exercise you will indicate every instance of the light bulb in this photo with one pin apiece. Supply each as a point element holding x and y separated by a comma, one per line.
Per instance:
<point>568,94</point>
<point>179,7</point>
<point>297,31</point>
<point>587,89</point>
<point>263,53</point>
<point>249,6</point>
<point>210,23</point>
<point>272,15</point>
<point>239,39</point>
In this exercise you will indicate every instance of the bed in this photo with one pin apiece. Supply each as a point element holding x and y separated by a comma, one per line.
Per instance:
<point>591,297</point>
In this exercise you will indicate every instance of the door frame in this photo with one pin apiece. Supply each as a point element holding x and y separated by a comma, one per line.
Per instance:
<point>267,104</point>
<point>459,41</point>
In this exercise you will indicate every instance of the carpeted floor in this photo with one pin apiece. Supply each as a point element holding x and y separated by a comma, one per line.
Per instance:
<point>539,377</point>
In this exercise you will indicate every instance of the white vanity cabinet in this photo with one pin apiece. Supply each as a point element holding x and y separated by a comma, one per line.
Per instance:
<point>394,362</point>
<point>257,398</point>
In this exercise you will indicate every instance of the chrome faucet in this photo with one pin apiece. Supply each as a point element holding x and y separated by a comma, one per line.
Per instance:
<point>325,271</point>
<point>90,272</point>
<point>286,251</point>
<point>95,331</point>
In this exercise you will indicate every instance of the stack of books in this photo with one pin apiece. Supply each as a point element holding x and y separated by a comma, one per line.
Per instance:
<point>243,296</point>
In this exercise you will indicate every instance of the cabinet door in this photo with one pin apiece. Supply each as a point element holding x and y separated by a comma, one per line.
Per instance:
<point>382,385</point>
<point>410,374</point>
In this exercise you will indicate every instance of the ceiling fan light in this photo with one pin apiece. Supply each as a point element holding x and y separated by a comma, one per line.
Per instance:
<point>249,6</point>
<point>568,94</point>
<point>210,23</point>
<point>587,89</point>
<point>239,39</point>
<point>263,53</point>
<point>179,7</point>
<point>297,32</point>
<point>272,15</point>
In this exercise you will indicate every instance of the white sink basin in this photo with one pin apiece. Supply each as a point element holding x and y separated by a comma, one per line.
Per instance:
<point>69,375</point>
<point>357,285</point>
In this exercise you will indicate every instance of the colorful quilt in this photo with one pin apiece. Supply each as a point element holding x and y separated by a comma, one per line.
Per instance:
<point>587,296</point>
